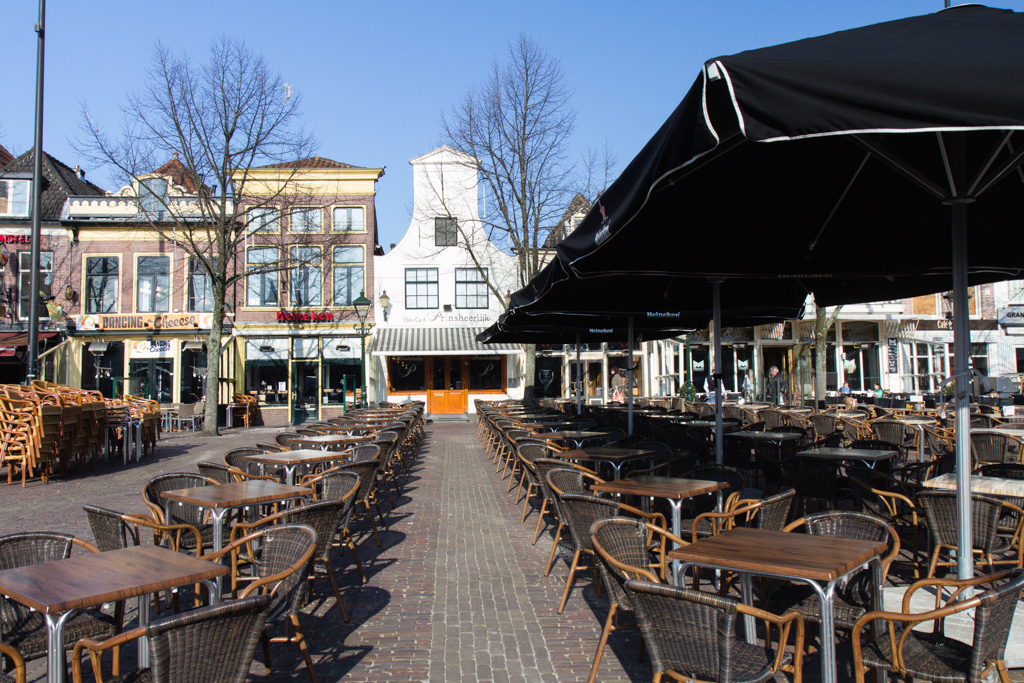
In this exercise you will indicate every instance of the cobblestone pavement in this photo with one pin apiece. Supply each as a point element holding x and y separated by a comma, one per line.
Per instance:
<point>456,592</point>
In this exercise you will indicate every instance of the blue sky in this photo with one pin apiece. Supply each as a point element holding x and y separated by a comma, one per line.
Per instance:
<point>376,76</point>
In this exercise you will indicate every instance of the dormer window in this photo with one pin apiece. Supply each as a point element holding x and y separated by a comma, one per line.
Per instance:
<point>446,232</point>
<point>153,195</point>
<point>14,197</point>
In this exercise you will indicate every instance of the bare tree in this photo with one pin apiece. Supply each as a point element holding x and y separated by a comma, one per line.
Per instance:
<point>220,119</point>
<point>517,126</point>
<point>823,321</point>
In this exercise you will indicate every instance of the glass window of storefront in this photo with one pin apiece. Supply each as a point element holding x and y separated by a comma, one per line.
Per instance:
<point>486,373</point>
<point>548,382</point>
<point>266,370</point>
<point>407,373</point>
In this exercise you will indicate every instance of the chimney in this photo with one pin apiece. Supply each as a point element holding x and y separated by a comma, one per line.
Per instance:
<point>80,172</point>
<point>392,246</point>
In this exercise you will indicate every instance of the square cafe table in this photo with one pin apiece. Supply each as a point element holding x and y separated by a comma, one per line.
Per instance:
<point>223,497</point>
<point>290,460</point>
<point>613,455</point>
<point>328,441</point>
<point>820,562</point>
<point>866,455</point>
<point>576,438</point>
<point>993,486</point>
<point>57,588</point>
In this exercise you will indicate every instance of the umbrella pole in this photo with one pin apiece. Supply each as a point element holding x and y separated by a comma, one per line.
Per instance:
<point>716,299</point>
<point>579,379</point>
<point>962,353</point>
<point>629,378</point>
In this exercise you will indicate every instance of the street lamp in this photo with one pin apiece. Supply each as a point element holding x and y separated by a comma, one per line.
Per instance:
<point>384,301</point>
<point>362,306</point>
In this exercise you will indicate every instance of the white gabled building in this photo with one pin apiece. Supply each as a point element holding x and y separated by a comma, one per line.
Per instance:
<point>436,290</point>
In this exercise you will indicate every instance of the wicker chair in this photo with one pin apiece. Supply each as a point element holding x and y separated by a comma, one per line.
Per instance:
<point>24,628</point>
<point>914,654</point>
<point>940,511</point>
<point>692,635</point>
<point>816,479</point>
<point>765,513</point>
<point>179,513</point>
<point>113,530</point>
<point>324,517</point>
<point>17,663</point>
<point>581,511</point>
<point>893,432</point>
<point>205,645</point>
<point>561,477</point>
<point>880,495</point>
<point>736,483</point>
<point>343,486</point>
<point>216,471</point>
<point>622,548</point>
<point>285,554</point>
<point>287,440</point>
<point>995,447</point>
<point>852,600</point>
<point>367,493</point>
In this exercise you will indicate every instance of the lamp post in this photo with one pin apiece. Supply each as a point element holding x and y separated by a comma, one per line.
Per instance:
<point>362,306</point>
<point>384,301</point>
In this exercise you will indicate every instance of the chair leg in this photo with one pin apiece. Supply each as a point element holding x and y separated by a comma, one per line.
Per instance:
<point>540,520</point>
<point>303,647</point>
<point>373,524</point>
<point>526,501</point>
<point>603,642</point>
<point>337,592</point>
<point>554,549</point>
<point>355,556</point>
<point>569,580</point>
<point>265,642</point>
<point>512,479</point>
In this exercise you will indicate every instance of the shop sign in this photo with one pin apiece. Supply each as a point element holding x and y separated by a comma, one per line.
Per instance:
<point>443,317</point>
<point>1011,316</point>
<point>893,355</point>
<point>155,348</point>
<point>14,239</point>
<point>144,322</point>
<point>305,317</point>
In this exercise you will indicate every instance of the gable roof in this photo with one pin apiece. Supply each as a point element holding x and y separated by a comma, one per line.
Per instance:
<point>311,162</point>
<point>5,156</point>
<point>579,204</point>
<point>178,173</point>
<point>63,182</point>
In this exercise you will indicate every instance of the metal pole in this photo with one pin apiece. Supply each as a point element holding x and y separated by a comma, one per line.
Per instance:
<point>37,189</point>
<point>579,379</point>
<point>362,362</point>
<point>962,394</point>
<point>629,377</point>
<point>716,298</point>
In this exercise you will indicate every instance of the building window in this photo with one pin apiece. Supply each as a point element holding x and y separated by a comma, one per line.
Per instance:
<point>348,275</point>
<point>305,278</point>
<point>486,373</point>
<point>470,288</point>
<point>25,282</point>
<point>407,373</point>
<point>446,232</point>
<point>153,196</point>
<point>264,219</point>
<point>200,287</point>
<point>348,218</point>
<point>261,289</point>
<point>421,288</point>
<point>306,220</point>
<point>101,284</point>
<point>153,289</point>
<point>14,197</point>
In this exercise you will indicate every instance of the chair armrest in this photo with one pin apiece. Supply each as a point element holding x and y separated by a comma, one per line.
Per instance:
<point>651,517</point>
<point>96,649</point>
<point>18,661</point>
<point>785,623</point>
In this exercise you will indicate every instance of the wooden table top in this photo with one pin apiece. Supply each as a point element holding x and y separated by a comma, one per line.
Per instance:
<point>764,436</point>
<point>995,486</point>
<point>607,453</point>
<point>675,488</point>
<point>297,457</point>
<point>558,436</point>
<point>914,419</point>
<point>1016,433</point>
<point>237,493</point>
<point>848,454</point>
<point>95,578</point>
<point>332,439</point>
<point>779,552</point>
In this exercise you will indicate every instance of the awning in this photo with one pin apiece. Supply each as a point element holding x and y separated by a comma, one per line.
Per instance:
<point>10,341</point>
<point>193,346</point>
<point>98,348</point>
<point>436,341</point>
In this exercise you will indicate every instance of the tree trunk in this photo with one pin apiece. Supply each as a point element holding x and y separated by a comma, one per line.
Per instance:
<point>822,322</point>
<point>213,342</point>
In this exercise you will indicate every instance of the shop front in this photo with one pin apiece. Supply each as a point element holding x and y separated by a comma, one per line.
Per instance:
<point>161,357</point>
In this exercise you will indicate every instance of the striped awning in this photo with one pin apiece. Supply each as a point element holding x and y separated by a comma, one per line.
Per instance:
<point>436,341</point>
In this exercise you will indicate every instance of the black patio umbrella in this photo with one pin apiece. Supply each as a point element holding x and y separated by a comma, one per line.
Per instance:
<point>848,163</point>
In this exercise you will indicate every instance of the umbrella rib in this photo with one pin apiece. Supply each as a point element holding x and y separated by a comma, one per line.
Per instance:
<point>1013,164</point>
<point>835,207</point>
<point>898,165</point>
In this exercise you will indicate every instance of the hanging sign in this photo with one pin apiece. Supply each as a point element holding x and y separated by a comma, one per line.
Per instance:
<point>893,355</point>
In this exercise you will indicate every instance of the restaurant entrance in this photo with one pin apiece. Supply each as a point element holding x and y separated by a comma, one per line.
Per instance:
<point>448,393</point>
<point>305,391</point>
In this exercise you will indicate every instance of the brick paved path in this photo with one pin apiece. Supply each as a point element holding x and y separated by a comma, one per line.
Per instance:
<point>456,593</point>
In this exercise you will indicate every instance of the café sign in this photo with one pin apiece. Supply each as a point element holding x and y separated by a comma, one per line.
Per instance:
<point>144,322</point>
<point>1011,316</point>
